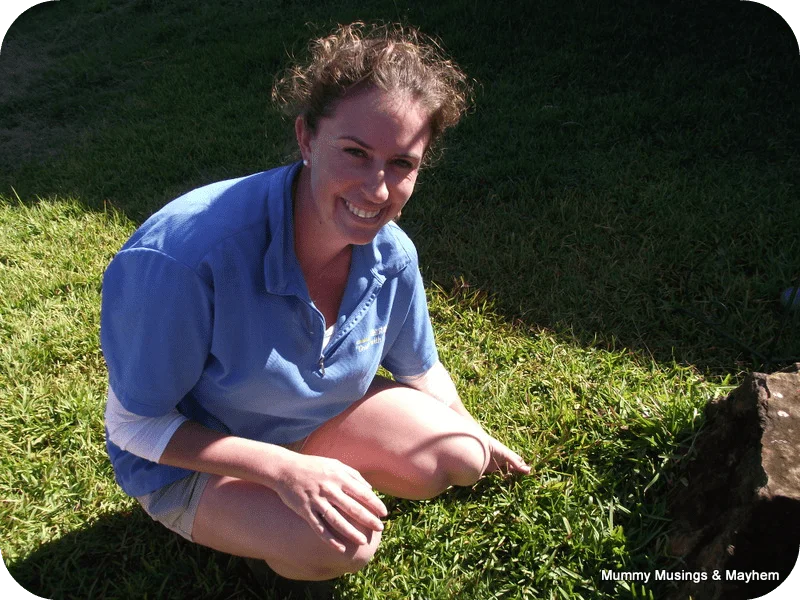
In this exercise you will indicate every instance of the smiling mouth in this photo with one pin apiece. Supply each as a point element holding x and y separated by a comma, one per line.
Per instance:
<point>363,214</point>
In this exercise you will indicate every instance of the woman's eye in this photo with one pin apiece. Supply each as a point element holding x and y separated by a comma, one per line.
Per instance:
<point>404,164</point>
<point>355,152</point>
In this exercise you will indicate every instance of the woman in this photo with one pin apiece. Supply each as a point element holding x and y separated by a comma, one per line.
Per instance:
<point>243,325</point>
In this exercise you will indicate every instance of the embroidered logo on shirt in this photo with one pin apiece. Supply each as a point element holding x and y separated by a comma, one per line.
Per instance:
<point>375,337</point>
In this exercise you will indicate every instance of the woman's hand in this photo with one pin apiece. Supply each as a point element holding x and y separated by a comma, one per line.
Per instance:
<point>504,459</point>
<point>330,496</point>
<point>501,457</point>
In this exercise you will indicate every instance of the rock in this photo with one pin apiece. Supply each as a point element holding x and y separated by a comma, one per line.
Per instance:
<point>740,512</point>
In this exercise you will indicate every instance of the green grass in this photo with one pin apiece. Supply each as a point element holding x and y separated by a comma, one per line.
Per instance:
<point>626,166</point>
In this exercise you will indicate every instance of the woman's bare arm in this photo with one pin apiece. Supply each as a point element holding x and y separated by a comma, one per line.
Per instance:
<point>309,485</point>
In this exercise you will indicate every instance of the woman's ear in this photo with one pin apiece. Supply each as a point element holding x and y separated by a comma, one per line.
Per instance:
<point>304,135</point>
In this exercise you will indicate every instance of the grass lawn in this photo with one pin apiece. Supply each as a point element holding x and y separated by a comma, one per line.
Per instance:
<point>604,241</point>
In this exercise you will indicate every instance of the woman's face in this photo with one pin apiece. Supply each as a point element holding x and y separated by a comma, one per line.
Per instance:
<point>363,162</point>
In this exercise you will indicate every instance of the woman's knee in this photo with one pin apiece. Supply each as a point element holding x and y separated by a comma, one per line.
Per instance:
<point>328,563</point>
<point>245,519</point>
<point>454,459</point>
<point>466,458</point>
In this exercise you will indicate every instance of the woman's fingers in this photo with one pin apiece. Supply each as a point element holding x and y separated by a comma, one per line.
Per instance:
<point>334,499</point>
<point>329,525</point>
<point>352,504</point>
<point>341,526</point>
<point>504,458</point>
<point>363,493</point>
<point>357,509</point>
<point>355,474</point>
<point>320,524</point>
<point>516,463</point>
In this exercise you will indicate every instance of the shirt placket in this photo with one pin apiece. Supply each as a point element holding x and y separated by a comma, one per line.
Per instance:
<point>367,299</point>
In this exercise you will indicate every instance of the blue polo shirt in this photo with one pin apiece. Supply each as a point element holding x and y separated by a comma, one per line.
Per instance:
<point>205,309</point>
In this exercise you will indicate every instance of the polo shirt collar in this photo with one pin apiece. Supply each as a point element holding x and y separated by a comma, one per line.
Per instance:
<point>282,274</point>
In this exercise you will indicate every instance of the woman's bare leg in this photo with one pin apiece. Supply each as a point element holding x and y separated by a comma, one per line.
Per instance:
<point>246,519</point>
<point>403,442</point>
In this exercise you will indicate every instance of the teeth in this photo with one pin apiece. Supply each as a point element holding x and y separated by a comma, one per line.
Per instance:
<point>361,213</point>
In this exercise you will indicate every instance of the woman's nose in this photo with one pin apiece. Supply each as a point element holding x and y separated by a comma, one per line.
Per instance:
<point>376,188</point>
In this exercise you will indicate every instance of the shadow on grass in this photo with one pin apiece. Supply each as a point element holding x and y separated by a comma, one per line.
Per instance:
<point>127,555</point>
<point>628,178</point>
<point>641,193</point>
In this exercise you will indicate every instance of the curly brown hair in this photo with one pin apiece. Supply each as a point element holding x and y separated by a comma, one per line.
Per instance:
<point>389,57</point>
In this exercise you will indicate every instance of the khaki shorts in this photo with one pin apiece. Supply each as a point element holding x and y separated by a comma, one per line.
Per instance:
<point>175,505</point>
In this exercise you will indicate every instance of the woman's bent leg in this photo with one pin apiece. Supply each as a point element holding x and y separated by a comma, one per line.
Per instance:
<point>246,519</point>
<point>404,442</point>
